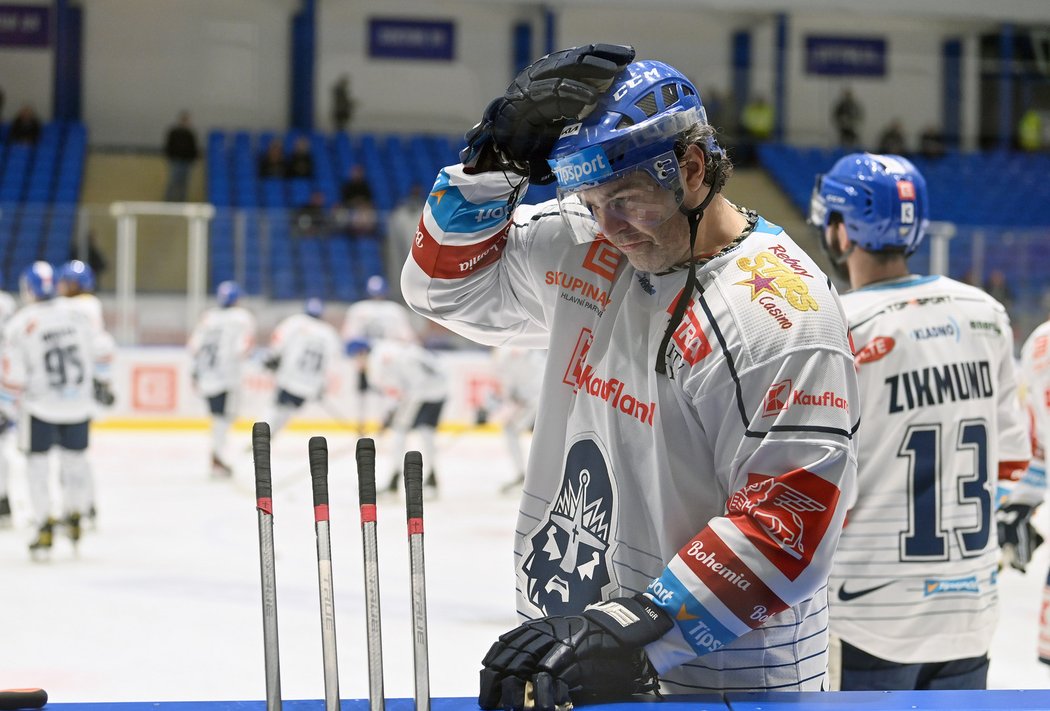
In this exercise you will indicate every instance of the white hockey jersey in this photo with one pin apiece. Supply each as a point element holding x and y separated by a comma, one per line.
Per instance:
<point>377,320</point>
<point>406,373</point>
<point>219,346</point>
<point>308,348</point>
<point>1035,379</point>
<point>7,307</point>
<point>51,356</point>
<point>915,576</point>
<point>720,490</point>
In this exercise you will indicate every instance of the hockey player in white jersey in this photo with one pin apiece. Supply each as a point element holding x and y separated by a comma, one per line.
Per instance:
<point>303,350</point>
<point>7,310</point>
<point>519,372</point>
<point>51,360</point>
<point>914,596</point>
<point>694,458</point>
<point>373,319</point>
<point>416,384</point>
<point>76,282</point>
<point>1017,535</point>
<point>219,347</point>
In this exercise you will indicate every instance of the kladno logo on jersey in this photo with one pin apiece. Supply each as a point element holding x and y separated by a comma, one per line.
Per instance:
<point>566,559</point>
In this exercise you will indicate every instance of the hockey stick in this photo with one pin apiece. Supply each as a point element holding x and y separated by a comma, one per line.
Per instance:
<point>414,507</point>
<point>264,508</point>
<point>22,698</point>
<point>318,448</point>
<point>366,486</point>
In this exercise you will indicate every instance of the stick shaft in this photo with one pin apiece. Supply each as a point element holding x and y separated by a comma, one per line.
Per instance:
<point>318,448</point>
<point>267,569</point>
<point>366,478</point>
<point>414,507</point>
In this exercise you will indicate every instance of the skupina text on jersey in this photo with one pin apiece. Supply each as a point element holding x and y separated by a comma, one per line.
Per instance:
<point>721,488</point>
<point>915,576</point>
<point>51,358</point>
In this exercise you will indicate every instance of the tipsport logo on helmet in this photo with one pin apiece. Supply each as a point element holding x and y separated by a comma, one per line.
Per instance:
<point>589,165</point>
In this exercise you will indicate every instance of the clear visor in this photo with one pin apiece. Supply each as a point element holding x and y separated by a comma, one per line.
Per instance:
<point>645,196</point>
<point>818,209</point>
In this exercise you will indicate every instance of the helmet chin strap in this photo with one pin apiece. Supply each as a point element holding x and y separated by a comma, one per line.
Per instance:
<point>693,215</point>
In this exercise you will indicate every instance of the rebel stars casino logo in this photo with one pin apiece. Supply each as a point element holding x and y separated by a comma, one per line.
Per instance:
<point>567,556</point>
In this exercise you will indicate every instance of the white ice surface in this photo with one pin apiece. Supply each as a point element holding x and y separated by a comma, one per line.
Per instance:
<point>162,601</point>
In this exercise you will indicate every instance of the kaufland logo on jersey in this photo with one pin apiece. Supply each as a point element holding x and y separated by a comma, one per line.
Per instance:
<point>586,166</point>
<point>781,396</point>
<point>583,378</point>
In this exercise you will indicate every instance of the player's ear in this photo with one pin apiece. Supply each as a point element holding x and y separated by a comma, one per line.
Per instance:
<point>693,167</point>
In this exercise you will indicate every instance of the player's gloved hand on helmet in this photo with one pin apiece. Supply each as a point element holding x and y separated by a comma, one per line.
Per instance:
<point>1018,539</point>
<point>518,130</point>
<point>103,393</point>
<point>599,655</point>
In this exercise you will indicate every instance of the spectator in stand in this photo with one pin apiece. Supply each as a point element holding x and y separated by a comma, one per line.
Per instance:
<point>312,219</point>
<point>180,148</point>
<point>757,120</point>
<point>271,162</point>
<point>999,289</point>
<point>892,139</point>
<point>25,128</point>
<point>931,143</point>
<point>361,219</point>
<point>401,226</point>
<point>342,103</point>
<point>91,254</point>
<point>847,115</point>
<point>1030,131</point>
<point>300,160</point>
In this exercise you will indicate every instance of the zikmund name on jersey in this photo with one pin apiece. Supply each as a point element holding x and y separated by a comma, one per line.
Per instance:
<point>935,385</point>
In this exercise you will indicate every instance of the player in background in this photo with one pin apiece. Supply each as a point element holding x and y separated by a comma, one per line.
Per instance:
<point>76,282</point>
<point>416,385</point>
<point>7,310</point>
<point>303,350</point>
<point>1017,535</point>
<point>519,372</point>
<point>694,461</point>
<point>914,595</point>
<point>52,359</point>
<point>219,346</point>
<point>373,319</point>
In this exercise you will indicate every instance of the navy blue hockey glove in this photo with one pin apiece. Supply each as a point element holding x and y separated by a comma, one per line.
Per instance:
<point>103,395</point>
<point>1018,539</point>
<point>518,130</point>
<point>596,656</point>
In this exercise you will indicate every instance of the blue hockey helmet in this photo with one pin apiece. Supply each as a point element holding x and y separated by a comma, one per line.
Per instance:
<point>37,282</point>
<point>314,307</point>
<point>356,346</point>
<point>79,273</point>
<point>632,133</point>
<point>882,200</point>
<point>376,287</point>
<point>227,293</point>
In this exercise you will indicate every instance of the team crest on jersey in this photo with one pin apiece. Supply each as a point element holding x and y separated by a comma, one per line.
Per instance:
<point>566,559</point>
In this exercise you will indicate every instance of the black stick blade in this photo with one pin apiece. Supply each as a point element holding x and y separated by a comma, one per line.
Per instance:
<point>261,456</point>
<point>414,484</point>
<point>366,471</point>
<point>319,469</point>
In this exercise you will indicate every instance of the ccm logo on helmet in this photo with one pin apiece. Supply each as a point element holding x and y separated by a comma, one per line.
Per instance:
<point>650,75</point>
